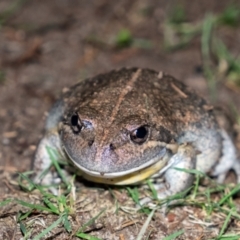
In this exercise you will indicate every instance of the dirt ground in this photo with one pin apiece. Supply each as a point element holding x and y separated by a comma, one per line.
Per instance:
<point>48,45</point>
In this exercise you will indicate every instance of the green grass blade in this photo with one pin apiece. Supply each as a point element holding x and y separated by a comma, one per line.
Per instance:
<point>53,154</point>
<point>23,229</point>
<point>51,206</point>
<point>24,216</point>
<point>87,236</point>
<point>29,186</point>
<point>225,224</point>
<point>145,226</point>
<point>33,206</point>
<point>153,190</point>
<point>232,192</point>
<point>134,194</point>
<point>48,229</point>
<point>207,30</point>
<point>5,202</point>
<point>174,235</point>
<point>66,223</point>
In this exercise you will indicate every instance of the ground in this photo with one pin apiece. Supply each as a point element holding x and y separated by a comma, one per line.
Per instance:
<point>48,45</point>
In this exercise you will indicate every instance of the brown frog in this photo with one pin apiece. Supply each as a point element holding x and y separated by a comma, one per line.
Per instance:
<point>127,125</point>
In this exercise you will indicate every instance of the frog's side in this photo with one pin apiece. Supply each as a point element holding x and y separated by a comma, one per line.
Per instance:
<point>125,125</point>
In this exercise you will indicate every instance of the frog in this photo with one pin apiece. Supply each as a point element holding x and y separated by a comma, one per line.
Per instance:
<point>128,125</point>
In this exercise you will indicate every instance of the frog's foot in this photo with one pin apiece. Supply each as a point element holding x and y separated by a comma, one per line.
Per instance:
<point>228,160</point>
<point>42,160</point>
<point>177,180</point>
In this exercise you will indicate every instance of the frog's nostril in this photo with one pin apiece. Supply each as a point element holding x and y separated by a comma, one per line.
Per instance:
<point>112,147</point>
<point>90,143</point>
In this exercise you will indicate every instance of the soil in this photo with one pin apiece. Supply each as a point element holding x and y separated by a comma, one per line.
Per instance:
<point>48,45</point>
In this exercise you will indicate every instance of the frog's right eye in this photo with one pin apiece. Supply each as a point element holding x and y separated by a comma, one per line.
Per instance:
<point>140,134</point>
<point>76,124</point>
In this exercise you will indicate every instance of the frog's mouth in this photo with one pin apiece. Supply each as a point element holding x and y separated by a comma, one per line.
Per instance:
<point>132,176</point>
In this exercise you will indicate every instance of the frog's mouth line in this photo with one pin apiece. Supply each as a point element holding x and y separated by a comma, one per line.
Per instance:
<point>131,176</point>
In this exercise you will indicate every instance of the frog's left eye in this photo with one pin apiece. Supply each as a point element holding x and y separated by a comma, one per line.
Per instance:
<point>76,124</point>
<point>140,134</point>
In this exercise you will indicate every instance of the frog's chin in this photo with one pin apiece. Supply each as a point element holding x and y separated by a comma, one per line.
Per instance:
<point>131,176</point>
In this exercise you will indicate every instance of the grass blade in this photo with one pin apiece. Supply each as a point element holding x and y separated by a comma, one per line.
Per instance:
<point>48,229</point>
<point>145,225</point>
<point>174,235</point>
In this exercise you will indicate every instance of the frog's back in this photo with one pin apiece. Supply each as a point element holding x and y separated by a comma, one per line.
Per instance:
<point>164,99</point>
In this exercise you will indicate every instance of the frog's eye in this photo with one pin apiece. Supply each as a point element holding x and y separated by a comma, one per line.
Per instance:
<point>76,124</point>
<point>139,135</point>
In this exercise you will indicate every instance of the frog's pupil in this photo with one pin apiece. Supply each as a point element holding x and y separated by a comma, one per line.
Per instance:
<point>75,124</point>
<point>141,132</point>
<point>74,120</point>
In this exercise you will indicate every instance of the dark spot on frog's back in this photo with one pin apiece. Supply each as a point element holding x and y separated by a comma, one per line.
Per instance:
<point>90,143</point>
<point>112,146</point>
<point>164,135</point>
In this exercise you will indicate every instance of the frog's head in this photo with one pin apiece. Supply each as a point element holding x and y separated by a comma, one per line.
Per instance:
<point>124,147</point>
